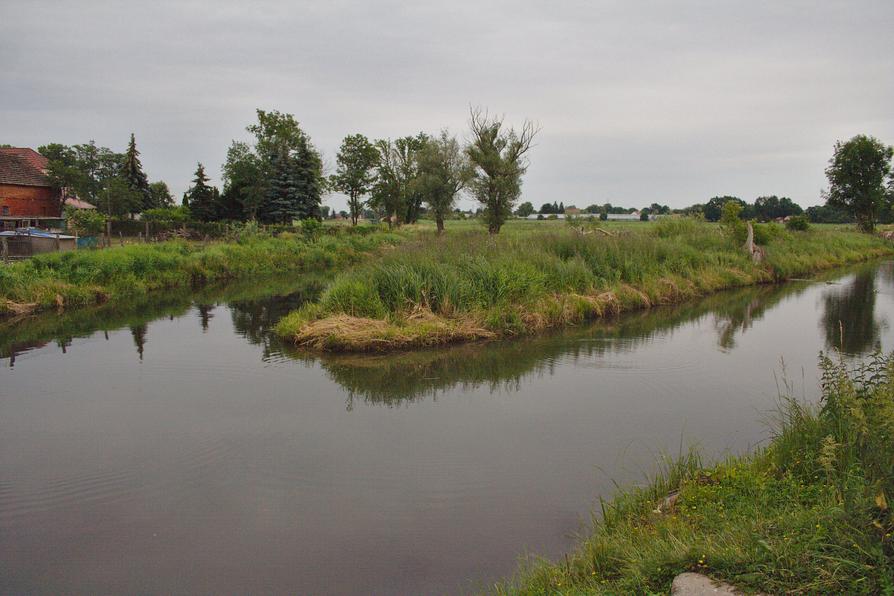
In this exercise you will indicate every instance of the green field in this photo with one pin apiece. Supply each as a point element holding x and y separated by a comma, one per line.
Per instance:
<point>468,285</point>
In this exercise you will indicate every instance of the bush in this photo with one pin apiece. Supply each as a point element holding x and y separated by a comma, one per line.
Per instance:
<point>311,228</point>
<point>731,222</point>
<point>171,214</point>
<point>798,223</point>
<point>765,233</point>
<point>84,222</point>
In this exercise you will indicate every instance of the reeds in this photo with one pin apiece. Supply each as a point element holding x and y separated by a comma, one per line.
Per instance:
<point>528,280</point>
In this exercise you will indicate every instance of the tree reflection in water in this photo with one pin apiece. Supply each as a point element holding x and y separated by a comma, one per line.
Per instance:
<point>849,320</point>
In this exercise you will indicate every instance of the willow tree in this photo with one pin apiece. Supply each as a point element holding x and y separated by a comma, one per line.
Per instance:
<point>444,170</point>
<point>499,160</point>
<point>396,192</point>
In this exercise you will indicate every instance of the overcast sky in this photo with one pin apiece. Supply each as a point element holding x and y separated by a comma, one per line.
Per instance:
<point>668,102</point>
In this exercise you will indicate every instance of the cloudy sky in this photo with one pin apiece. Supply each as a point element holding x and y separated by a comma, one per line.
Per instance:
<point>639,102</point>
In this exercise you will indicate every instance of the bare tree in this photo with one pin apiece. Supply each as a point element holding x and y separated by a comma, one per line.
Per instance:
<point>499,159</point>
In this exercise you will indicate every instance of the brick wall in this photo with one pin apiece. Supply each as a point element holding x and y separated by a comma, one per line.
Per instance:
<point>29,201</point>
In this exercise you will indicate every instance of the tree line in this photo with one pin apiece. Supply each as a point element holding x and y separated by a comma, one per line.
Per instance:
<point>113,182</point>
<point>279,177</point>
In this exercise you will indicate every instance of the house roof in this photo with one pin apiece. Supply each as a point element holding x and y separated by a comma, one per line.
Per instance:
<point>23,166</point>
<point>78,203</point>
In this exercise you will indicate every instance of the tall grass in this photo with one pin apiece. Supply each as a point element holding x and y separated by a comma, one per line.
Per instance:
<point>90,276</point>
<point>809,514</point>
<point>529,280</point>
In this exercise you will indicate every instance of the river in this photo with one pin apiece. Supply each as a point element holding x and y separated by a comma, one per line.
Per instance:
<point>172,445</point>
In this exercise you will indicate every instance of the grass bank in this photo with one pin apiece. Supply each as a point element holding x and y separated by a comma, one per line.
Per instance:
<point>86,277</point>
<point>467,285</point>
<point>809,514</point>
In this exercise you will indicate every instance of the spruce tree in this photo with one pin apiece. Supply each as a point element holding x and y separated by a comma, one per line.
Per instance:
<point>280,200</point>
<point>200,197</point>
<point>295,186</point>
<point>309,174</point>
<point>132,172</point>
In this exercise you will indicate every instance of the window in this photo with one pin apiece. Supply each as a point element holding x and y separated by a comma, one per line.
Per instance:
<point>5,210</point>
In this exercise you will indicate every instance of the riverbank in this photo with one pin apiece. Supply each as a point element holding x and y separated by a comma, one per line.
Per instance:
<point>809,513</point>
<point>469,286</point>
<point>84,277</point>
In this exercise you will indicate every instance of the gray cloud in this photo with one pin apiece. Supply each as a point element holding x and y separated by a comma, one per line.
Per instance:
<point>639,101</point>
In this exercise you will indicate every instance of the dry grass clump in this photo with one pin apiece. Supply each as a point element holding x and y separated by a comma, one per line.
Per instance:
<point>362,334</point>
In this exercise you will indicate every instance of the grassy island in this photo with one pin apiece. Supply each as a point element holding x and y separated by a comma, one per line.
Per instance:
<point>86,277</point>
<point>808,514</point>
<point>469,285</point>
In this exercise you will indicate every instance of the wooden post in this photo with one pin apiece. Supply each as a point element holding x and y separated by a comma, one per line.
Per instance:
<point>5,249</point>
<point>147,231</point>
<point>108,233</point>
<point>57,241</point>
<point>121,237</point>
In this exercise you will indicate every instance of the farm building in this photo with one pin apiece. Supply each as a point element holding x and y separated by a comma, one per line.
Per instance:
<point>26,196</point>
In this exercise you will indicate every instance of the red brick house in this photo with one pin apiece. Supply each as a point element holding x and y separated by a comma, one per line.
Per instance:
<point>26,196</point>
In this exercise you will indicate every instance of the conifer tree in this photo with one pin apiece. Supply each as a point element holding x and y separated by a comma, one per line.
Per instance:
<point>132,172</point>
<point>200,197</point>
<point>281,198</point>
<point>309,174</point>
<point>295,187</point>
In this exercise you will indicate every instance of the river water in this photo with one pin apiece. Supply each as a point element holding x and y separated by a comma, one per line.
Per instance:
<point>173,445</point>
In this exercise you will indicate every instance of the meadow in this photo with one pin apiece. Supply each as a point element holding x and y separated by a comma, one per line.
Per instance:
<point>468,285</point>
<point>807,514</point>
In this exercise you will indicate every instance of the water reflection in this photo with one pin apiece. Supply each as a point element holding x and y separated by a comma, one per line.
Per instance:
<point>498,366</point>
<point>849,319</point>
<point>23,334</point>
<point>222,459</point>
<point>139,337</point>
<point>395,379</point>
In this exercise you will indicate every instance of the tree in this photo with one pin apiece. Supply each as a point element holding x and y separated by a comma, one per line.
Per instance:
<point>546,209</point>
<point>443,172</point>
<point>118,199</point>
<point>161,195</point>
<point>132,172</point>
<point>308,171</point>
<point>712,208</point>
<point>282,156</point>
<point>243,182</point>
<point>525,209</point>
<point>295,189</point>
<point>354,175</point>
<point>200,197</point>
<point>857,174</point>
<point>396,192</point>
<point>406,156</point>
<point>499,159</point>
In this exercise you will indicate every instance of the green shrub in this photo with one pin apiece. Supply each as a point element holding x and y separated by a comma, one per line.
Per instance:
<point>167,214</point>
<point>798,223</point>
<point>731,222</point>
<point>84,222</point>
